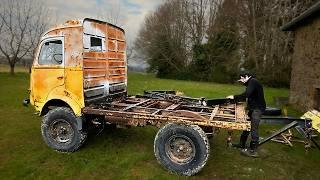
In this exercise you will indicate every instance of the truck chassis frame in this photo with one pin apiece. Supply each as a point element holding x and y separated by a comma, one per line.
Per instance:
<point>157,107</point>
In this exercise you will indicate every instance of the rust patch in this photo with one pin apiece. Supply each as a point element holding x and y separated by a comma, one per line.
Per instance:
<point>112,44</point>
<point>72,22</point>
<point>112,32</point>
<point>121,46</point>
<point>101,27</point>
<point>66,93</point>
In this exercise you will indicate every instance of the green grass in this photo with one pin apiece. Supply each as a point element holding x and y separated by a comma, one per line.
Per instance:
<point>128,153</point>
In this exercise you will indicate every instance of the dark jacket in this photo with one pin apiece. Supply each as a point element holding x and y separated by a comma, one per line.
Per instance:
<point>254,95</point>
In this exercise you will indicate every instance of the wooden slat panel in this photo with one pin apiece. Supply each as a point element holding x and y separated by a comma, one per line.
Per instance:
<point>117,71</point>
<point>93,82</point>
<point>121,46</point>
<point>112,55</point>
<point>121,56</point>
<point>94,63</point>
<point>89,73</point>
<point>116,79</point>
<point>105,56</point>
<point>112,45</point>
<point>95,55</point>
<point>120,35</point>
<point>112,32</point>
<point>240,113</point>
<point>116,63</point>
<point>121,77</point>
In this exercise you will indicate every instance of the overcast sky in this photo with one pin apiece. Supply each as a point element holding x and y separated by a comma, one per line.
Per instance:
<point>129,14</point>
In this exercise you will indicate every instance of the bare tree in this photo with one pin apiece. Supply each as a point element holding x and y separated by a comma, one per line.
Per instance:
<point>21,24</point>
<point>163,38</point>
<point>267,48</point>
<point>197,18</point>
<point>204,37</point>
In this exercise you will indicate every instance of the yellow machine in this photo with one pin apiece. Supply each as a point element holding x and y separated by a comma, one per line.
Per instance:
<point>314,115</point>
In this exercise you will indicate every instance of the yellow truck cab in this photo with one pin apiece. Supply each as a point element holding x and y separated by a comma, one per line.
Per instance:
<point>77,63</point>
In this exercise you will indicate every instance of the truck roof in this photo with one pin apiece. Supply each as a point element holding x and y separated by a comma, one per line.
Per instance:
<point>79,23</point>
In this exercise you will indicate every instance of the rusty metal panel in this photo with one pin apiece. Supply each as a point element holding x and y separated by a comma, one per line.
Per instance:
<point>93,82</point>
<point>112,45</point>
<point>94,73</point>
<point>112,32</point>
<point>116,63</point>
<point>72,44</point>
<point>107,68</point>
<point>94,64</point>
<point>121,46</point>
<point>117,71</point>
<point>94,28</point>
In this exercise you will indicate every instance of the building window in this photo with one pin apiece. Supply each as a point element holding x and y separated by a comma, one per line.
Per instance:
<point>51,53</point>
<point>95,44</point>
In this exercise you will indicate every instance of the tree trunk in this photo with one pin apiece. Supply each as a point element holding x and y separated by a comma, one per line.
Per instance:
<point>12,69</point>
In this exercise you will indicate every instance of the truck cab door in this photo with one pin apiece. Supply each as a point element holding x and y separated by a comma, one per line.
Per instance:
<point>47,72</point>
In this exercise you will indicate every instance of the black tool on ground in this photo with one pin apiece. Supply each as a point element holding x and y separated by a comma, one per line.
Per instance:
<point>303,127</point>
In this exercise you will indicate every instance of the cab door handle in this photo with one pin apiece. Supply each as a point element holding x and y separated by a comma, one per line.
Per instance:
<point>60,77</point>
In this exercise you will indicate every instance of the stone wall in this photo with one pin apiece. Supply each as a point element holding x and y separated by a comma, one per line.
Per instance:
<point>305,75</point>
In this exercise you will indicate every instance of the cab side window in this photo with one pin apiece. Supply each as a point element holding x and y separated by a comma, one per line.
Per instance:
<point>51,53</point>
<point>95,44</point>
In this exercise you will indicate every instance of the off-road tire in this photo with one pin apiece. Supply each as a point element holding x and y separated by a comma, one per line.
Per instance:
<point>192,137</point>
<point>67,120</point>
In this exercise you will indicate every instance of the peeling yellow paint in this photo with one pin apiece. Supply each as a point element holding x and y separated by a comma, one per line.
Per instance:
<point>46,86</point>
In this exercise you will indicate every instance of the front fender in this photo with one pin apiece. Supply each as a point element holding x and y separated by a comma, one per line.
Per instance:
<point>72,100</point>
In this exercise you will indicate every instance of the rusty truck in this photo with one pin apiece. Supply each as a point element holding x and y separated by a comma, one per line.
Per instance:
<point>79,79</point>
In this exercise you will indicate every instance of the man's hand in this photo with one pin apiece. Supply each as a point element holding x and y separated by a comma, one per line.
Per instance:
<point>230,97</point>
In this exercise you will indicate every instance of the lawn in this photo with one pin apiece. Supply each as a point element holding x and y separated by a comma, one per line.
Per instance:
<point>128,153</point>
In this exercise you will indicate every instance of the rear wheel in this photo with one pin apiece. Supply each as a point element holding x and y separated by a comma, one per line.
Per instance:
<point>59,130</point>
<point>182,149</point>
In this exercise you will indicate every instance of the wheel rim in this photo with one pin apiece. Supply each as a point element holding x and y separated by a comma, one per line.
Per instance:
<point>180,149</point>
<point>61,131</point>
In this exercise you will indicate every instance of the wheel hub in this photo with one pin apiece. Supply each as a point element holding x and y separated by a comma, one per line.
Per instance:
<point>61,131</point>
<point>180,149</point>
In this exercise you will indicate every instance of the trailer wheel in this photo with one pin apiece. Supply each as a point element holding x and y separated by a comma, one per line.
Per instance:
<point>182,149</point>
<point>59,130</point>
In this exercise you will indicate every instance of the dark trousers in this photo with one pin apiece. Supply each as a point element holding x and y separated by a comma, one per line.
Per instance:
<point>254,116</point>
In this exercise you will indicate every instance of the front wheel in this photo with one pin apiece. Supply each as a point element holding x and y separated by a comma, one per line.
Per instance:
<point>182,149</point>
<point>59,130</point>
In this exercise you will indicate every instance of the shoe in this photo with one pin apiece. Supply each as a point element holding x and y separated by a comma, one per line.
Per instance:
<point>250,153</point>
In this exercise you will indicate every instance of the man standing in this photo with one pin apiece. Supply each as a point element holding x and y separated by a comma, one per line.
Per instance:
<point>256,105</point>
